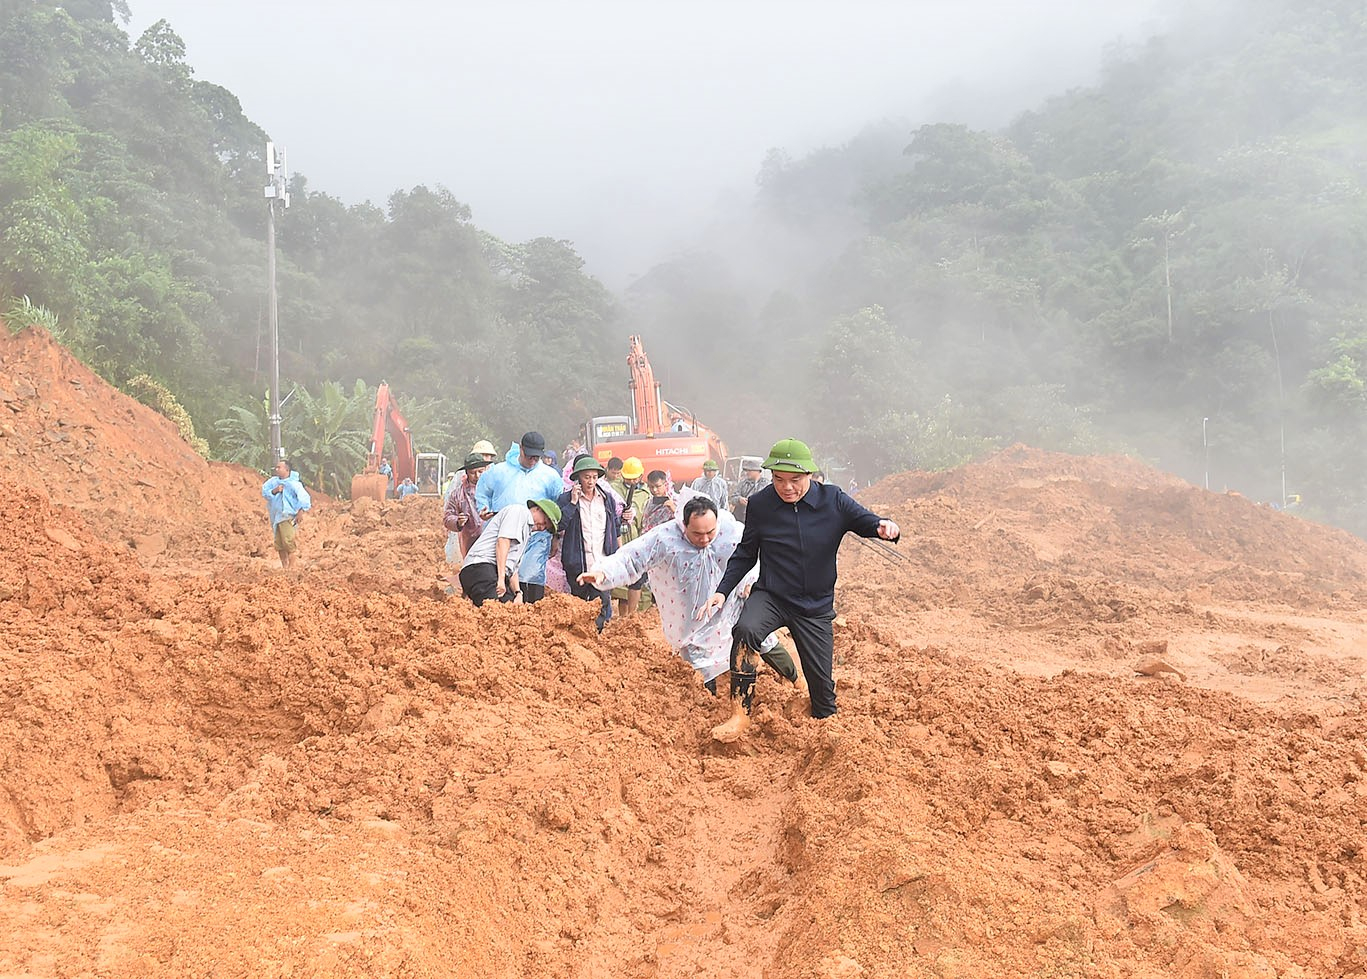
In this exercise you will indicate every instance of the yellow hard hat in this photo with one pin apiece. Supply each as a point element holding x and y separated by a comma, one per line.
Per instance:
<point>632,468</point>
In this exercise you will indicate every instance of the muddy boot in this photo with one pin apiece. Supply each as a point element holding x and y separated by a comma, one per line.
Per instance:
<point>744,666</point>
<point>781,661</point>
<point>743,697</point>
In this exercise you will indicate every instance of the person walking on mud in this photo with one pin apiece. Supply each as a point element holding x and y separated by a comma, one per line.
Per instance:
<point>793,528</point>
<point>712,484</point>
<point>520,477</point>
<point>286,500</point>
<point>661,506</point>
<point>685,559</point>
<point>491,565</point>
<point>460,514</point>
<point>591,531</point>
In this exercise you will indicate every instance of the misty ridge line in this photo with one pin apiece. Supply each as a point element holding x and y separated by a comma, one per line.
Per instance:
<point>1158,263</point>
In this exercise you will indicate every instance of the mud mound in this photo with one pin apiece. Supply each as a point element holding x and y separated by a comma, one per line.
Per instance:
<point>1045,562</point>
<point>378,779</point>
<point>382,547</point>
<point>125,466</point>
<point>382,787</point>
<point>63,593</point>
<point>1025,512</point>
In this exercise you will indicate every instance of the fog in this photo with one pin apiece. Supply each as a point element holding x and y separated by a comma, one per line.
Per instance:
<point>623,127</point>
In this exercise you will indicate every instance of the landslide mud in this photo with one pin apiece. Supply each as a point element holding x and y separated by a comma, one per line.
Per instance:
<point>212,767</point>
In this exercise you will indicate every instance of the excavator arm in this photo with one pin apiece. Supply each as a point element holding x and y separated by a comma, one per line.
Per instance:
<point>646,404</point>
<point>389,421</point>
<point>662,435</point>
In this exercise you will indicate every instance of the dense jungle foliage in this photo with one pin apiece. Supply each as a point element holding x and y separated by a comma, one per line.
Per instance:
<point>132,217</point>
<point>1168,262</point>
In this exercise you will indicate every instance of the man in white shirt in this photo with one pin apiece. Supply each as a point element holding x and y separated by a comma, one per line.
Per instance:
<point>490,567</point>
<point>591,525</point>
<point>685,557</point>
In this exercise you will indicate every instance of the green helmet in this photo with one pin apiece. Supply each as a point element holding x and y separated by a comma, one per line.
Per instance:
<point>551,509</point>
<point>790,456</point>
<point>588,464</point>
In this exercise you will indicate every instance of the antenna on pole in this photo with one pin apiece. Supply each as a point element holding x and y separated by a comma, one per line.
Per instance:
<point>277,176</point>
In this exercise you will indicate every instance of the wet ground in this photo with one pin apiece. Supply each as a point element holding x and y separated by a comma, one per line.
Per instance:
<point>1093,721</point>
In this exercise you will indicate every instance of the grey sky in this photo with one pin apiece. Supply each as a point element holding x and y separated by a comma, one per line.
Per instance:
<point>618,125</point>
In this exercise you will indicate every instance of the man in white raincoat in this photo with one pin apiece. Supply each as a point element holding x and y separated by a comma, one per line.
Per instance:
<point>686,558</point>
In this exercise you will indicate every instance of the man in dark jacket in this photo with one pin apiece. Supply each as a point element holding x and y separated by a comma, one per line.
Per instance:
<point>793,527</point>
<point>591,524</point>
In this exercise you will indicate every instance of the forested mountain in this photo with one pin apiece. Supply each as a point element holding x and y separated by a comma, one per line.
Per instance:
<point>1174,252</point>
<point>1168,261</point>
<point>131,209</point>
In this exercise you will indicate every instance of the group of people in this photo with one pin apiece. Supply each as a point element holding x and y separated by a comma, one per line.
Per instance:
<point>723,587</point>
<point>727,567</point>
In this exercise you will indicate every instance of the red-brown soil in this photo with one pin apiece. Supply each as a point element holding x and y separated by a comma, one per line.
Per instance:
<point>215,768</point>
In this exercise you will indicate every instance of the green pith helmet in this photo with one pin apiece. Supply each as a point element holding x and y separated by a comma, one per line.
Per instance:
<point>550,508</point>
<point>710,465</point>
<point>790,456</point>
<point>587,464</point>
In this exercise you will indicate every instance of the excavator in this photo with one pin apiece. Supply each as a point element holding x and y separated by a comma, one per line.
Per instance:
<point>427,469</point>
<point>662,435</point>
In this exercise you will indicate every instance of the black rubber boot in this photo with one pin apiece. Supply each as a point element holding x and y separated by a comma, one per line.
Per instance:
<point>743,686</point>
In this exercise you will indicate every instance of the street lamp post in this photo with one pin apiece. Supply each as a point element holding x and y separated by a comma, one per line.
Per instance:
<point>275,193</point>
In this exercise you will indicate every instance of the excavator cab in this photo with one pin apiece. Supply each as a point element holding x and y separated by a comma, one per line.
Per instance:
<point>431,473</point>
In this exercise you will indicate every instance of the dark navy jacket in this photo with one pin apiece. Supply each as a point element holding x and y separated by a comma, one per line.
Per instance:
<point>795,544</point>
<point>572,543</point>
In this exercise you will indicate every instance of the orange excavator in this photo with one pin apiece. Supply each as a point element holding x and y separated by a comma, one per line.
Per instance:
<point>388,420</point>
<point>662,435</point>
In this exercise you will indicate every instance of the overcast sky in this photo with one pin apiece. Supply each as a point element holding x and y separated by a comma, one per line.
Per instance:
<point>619,125</point>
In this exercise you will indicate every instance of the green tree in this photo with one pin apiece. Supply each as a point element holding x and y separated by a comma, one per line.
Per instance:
<point>327,434</point>
<point>863,393</point>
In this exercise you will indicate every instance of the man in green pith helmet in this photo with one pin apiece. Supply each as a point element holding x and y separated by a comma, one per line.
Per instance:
<point>590,531</point>
<point>793,527</point>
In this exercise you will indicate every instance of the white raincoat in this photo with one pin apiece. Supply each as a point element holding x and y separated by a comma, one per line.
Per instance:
<point>682,578</point>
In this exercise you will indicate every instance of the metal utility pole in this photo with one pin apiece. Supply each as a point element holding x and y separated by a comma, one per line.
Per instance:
<point>276,177</point>
<point>1205,444</point>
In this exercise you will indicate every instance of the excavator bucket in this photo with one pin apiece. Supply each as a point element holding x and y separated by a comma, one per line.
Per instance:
<point>370,486</point>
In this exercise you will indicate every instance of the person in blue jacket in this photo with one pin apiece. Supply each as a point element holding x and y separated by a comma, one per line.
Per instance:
<point>286,500</point>
<point>793,528</point>
<point>519,478</point>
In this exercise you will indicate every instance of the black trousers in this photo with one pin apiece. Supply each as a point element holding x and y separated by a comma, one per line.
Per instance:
<point>812,634</point>
<point>589,594</point>
<point>480,582</point>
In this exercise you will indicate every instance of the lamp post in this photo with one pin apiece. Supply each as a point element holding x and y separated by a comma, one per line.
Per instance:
<point>275,193</point>
<point>1205,444</point>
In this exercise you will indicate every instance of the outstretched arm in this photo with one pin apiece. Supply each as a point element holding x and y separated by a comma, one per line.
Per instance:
<point>627,565</point>
<point>865,522</point>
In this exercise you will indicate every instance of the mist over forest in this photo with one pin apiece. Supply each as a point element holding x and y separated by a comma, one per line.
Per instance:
<point>1166,263</point>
